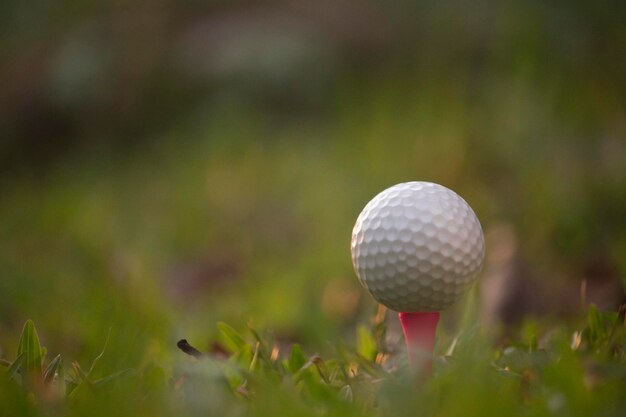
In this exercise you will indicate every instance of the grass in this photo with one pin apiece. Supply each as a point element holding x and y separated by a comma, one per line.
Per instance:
<point>561,373</point>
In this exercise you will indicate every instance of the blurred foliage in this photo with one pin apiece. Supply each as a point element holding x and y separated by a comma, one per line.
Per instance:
<point>168,165</point>
<point>583,374</point>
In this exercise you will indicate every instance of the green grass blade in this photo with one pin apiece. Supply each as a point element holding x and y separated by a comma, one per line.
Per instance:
<point>97,358</point>
<point>31,348</point>
<point>296,359</point>
<point>53,368</point>
<point>16,366</point>
<point>255,357</point>
<point>233,341</point>
<point>366,345</point>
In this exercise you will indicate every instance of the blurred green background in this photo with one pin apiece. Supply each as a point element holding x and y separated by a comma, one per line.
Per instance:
<point>166,165</point>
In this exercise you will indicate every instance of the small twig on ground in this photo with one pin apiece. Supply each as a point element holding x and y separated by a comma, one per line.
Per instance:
<point>188,349</point>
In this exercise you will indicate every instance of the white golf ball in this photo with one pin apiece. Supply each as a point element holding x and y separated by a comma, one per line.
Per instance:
<point>417,246</point>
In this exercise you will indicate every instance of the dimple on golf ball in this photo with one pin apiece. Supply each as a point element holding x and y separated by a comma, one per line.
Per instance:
<point>417,247</point>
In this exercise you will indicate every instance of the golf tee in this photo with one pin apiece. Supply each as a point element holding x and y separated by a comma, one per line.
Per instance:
<point>419,333</point>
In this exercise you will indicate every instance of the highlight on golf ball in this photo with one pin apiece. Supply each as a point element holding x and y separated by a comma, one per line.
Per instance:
<point>417,247</point>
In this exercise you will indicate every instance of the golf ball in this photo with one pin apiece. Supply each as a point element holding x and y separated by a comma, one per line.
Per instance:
<point>417,247</point>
